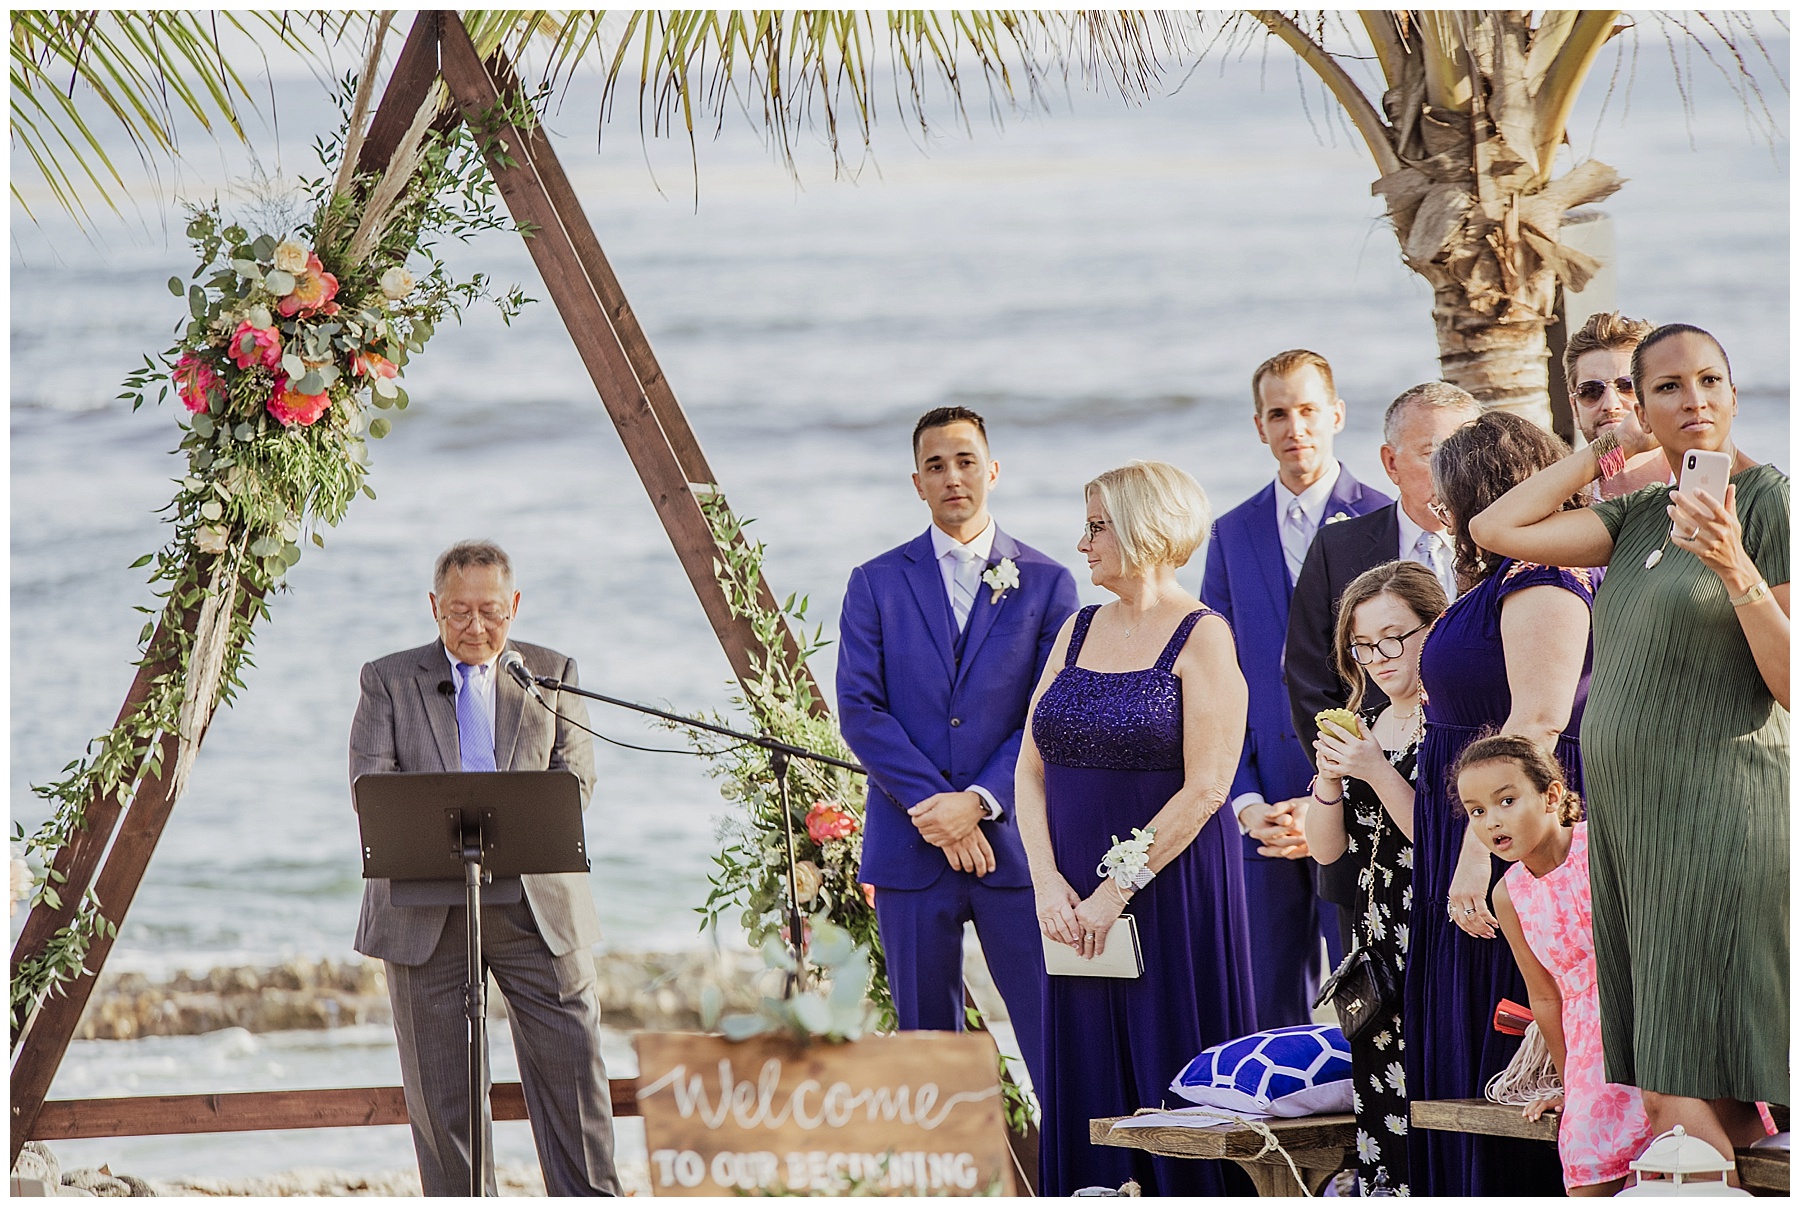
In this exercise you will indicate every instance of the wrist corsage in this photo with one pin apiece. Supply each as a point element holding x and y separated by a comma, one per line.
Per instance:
<point>1126,864</point>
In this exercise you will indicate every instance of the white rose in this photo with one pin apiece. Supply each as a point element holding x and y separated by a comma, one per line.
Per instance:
<point>212,539</point>
<point>290,256</point>
<point>396,283</point>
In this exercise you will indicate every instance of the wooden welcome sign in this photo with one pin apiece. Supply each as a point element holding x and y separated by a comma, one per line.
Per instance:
<point>916,1113</point>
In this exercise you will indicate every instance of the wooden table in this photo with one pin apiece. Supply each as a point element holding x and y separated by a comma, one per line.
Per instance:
<point>1319,1145</point>
<point>1760,1170</point>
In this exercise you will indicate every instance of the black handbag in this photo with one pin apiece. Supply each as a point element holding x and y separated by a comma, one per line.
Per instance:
<point>1362,988</point>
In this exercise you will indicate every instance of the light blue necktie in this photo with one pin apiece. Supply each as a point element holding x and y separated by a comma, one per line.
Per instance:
<point>474,728</point>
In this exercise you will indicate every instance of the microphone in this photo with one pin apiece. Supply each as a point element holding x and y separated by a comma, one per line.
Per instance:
<point>446,688</point>
<point>513,664</point>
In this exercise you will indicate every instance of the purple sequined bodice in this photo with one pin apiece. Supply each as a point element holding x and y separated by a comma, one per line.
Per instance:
<point>1124,721</point>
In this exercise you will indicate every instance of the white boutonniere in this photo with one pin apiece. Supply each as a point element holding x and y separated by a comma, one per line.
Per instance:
<point>1002,576</point>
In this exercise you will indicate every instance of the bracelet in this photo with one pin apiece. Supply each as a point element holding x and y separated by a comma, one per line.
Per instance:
<point>1608,456</point>
<point>1125,863</point>
<point>1757,590</point>
<point>1313,791</point>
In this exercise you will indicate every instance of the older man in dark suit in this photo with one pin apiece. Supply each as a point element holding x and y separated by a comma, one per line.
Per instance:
<point>1415,424</point>
<point>445,707</point>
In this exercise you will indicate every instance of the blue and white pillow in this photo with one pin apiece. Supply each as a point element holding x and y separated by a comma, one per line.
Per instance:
<point>1287,1072</point>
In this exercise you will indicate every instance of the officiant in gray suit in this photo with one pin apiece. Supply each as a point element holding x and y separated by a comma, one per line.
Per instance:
<point>446,707</point>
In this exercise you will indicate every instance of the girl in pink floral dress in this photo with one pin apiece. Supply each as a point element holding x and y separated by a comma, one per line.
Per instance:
<point>1517,805</point>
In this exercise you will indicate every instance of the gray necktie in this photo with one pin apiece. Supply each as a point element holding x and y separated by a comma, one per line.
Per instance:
<point>1294,539</point>
<point>965,577</point>
<point>1433,552</point>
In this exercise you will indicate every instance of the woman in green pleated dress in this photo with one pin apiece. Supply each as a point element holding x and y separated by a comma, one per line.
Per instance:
<point>1684,747</point>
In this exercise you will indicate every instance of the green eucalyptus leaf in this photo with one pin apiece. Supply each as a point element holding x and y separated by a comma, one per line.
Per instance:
<point>400,398</point>
<point>312,383</point>
<point>379,401</point>
<point>318,540</point>
<point>279,282</point>
<point>739,1027</point>
<point>203,424</point>
<point>328,374</point>
<point>247,269</point>
<point>265,546</point>
<point>197,302</point>
<point>211,509</point>
<point>176,287</point>
<point>292,365</point>
<point>274,567</point>
<point>246,432</point>
<point>378,427</point>
<point>264,247</point>
<point>384,387</point>
<point>290,553</point>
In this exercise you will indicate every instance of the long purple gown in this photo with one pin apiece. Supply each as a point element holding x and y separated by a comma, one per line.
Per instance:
<point>1111,745</point>
<point>1453,981</point>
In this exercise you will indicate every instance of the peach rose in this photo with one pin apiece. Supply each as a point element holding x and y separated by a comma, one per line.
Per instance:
<point>193,378</point>
<point>826,823</point>
<point>807,880</point>
<point>313,290</point>
<point>292,407</point>
<point>253,346</point>
<point>372,364</point>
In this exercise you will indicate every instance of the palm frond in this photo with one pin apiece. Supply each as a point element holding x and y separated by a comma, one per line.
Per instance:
<point>147,70</point>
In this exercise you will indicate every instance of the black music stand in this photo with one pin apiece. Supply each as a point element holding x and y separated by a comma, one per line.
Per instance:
<point>467,827</point>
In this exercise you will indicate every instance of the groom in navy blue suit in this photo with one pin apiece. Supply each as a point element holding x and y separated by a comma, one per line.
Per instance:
<point>1251,566</point>
<point>941,643</point>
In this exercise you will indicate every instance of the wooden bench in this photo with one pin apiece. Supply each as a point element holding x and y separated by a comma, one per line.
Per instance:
<point>1319,1145</point>
<point>1760,1170</point>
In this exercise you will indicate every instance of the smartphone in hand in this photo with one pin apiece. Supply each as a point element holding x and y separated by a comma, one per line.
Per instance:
<point>1705,471</point>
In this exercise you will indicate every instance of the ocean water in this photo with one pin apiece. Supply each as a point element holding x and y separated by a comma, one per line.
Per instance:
<point>1099,281</point>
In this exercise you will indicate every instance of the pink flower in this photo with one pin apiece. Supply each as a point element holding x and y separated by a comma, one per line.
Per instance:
<point>313,290</point>
<point>826,823</point>
<point>372,364</point>
<point>253,346</point>
<point>194,376</point>
<point>291,406</point>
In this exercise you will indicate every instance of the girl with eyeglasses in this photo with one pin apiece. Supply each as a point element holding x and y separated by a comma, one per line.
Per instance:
<point>1363,812</point>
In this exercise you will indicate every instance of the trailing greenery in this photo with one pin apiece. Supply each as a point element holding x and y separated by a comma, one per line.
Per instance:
<point>291,343</point>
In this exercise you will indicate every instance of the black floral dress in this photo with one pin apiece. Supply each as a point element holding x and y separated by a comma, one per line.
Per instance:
<point>1383,911</point>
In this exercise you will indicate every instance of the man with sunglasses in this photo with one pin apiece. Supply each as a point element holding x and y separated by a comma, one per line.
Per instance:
<point>1597,367</point>
<point>446,707</point>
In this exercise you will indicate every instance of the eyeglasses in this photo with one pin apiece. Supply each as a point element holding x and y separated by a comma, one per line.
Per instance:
<point>1591,391</point>
<point>1439,510</point>
<point>1387,647</point>
<point>1094,528</point>
<point>492,618</point>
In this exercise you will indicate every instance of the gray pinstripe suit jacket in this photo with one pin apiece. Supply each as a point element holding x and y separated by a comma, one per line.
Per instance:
<point>404,723</point>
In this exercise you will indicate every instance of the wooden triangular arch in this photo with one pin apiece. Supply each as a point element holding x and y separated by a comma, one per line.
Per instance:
<point>657,437</point>
<point>637,397</point>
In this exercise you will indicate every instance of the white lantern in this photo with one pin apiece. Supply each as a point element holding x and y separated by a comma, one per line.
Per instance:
<point>1681,1164</point>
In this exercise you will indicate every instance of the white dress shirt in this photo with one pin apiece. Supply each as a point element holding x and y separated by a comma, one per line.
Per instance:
<point>1312,503</point>
<point>481,682</point>
<point>945,547</point>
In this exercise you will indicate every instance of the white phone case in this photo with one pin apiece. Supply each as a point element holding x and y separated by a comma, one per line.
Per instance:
<point>1123,958</point>
<point>1705,471</point>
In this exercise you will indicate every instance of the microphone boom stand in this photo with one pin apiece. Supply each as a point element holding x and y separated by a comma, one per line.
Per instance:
<point>781,755</point>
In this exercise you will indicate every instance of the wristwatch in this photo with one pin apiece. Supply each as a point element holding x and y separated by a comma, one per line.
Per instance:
<point>1757,590</point>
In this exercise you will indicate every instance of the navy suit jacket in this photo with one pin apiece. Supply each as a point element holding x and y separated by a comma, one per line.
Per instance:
<point>1247,581</point>
<point>921,721</point>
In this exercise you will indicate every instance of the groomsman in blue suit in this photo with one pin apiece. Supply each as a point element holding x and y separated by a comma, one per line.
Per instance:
<point>1251,566</point>
<point>941,643</point>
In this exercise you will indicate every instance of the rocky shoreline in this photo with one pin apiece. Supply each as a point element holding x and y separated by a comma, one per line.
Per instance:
<point>639,991</point>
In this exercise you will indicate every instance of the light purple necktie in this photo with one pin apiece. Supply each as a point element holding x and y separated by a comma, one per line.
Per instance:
<point>474,728</point>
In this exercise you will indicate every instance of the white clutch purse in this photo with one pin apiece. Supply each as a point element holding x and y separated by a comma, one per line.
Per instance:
<point>1122,959</point>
